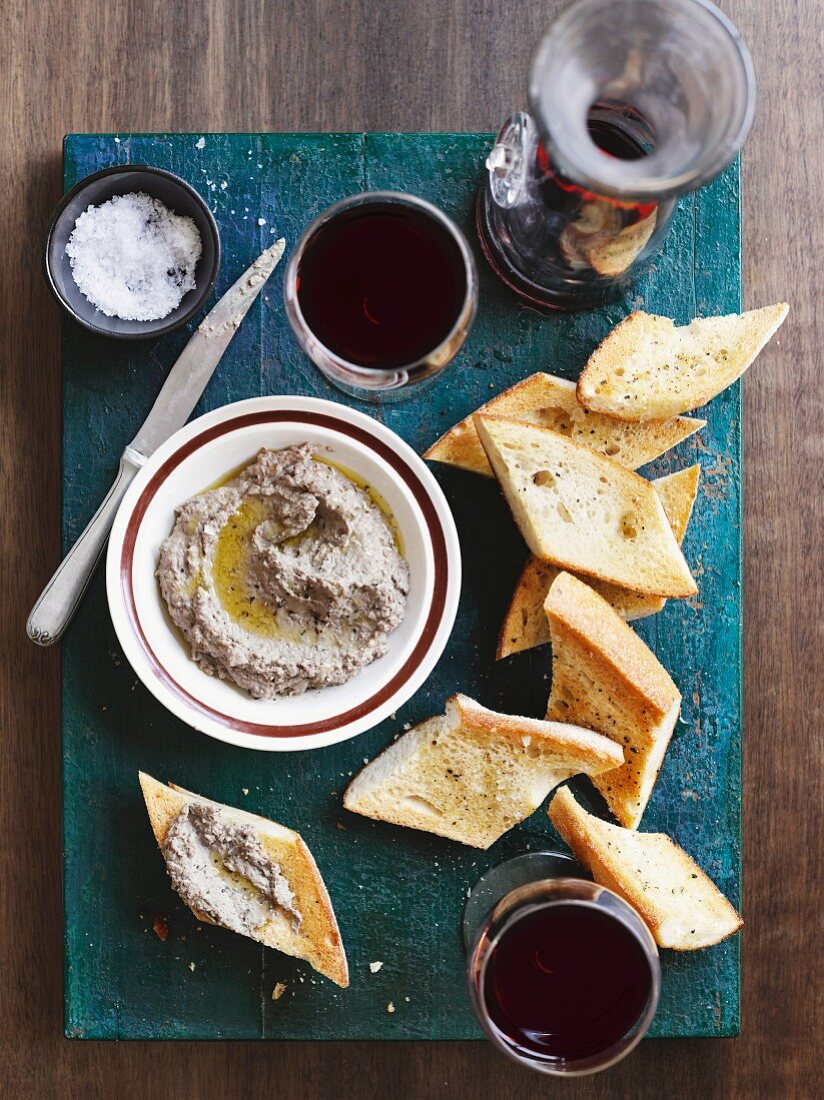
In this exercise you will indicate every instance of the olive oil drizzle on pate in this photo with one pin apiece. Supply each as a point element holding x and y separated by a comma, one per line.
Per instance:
<point>230,571</point>
<point>230,564</point>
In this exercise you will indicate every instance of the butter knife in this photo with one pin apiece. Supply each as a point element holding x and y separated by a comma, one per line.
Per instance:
<point>187,380</point>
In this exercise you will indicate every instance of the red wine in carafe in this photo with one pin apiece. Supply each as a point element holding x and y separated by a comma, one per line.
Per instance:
<point>381,285</point>
<point>622,133</point>
<point>566,981</point>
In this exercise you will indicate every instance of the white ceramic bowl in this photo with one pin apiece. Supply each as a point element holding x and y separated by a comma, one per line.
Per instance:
<point>199,455</point>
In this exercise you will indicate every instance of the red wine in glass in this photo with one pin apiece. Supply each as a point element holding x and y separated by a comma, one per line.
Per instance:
<point>382,284</point>
<point>565,982</point>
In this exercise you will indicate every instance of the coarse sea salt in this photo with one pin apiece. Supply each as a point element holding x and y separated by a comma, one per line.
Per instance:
<point>134,258</point>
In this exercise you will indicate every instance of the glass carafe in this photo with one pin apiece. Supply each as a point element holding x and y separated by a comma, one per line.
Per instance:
<point>632,103</point>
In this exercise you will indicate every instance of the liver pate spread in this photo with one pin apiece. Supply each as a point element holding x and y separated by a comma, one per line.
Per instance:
<point>220,869</point>
<point>288,577</point>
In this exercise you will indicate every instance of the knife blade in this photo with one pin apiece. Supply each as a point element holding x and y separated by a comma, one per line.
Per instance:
<point>195,365</point>
<point>173,406</point>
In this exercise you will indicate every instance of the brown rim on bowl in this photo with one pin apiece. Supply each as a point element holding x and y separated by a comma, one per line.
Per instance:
<point>436,608</point>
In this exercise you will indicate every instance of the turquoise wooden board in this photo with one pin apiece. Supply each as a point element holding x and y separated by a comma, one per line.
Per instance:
<point>398,894</point>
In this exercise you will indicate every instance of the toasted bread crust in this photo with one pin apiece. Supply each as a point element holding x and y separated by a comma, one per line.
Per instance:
<point>596,846</point>
<point>525,624</point>
<point>678,493</point>
<point>551,402</point>
<point>650,369</point>
<point>624,491</point>
<point>575,610</point>
<point>319,941</point>
<point>580,747</point>
<point>473,774</point>
<point>605,677</point>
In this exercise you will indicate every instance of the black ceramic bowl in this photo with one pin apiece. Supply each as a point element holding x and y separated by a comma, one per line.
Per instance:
<point>174,193</point>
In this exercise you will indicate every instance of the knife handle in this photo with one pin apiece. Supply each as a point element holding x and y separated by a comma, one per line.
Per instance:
<point>60,598</point>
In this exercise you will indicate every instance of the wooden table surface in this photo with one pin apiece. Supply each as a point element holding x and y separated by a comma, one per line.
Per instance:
<point>408,65</point>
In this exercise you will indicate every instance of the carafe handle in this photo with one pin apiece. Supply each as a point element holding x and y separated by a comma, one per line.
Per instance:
<point>508,160</point>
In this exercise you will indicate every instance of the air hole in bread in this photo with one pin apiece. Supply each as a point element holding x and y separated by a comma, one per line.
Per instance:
<point>558,418</point>
<point>421,805</point>
<point>533,751</point>
<point>611,449</point>
<point>544,477</point>
<point>629,528</point>
<point>563,512</point>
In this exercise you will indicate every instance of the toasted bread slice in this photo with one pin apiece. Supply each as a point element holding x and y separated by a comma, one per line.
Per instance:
<point>551,402</point>
<point>678,492</point>
<point>649,368</point>
<point>473,774</point>
<point>317,939</point>
<point>526,625</point>
<point>584,512</point>
<point>683,908</point>
<point>605,678</point>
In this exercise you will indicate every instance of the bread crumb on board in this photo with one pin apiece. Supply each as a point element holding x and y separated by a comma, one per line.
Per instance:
<point>278,991</point>
<point>160,929</point>
<point>192,967</point>
<point>390,1008</point>
<point>375,967</point>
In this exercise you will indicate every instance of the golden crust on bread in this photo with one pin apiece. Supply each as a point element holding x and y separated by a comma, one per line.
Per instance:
<point>474,773</point>
<point>551,402</point>
<point>565,744</point>
<point>525,624</point>
<point>318,939</point>
<point>605,678</point>
<point>678,492</point>
<point>682,907</point>
<point>584,512</point>
<point>648,368</point>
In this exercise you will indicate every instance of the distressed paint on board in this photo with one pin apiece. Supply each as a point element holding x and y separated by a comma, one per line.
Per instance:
<point>398,894</point>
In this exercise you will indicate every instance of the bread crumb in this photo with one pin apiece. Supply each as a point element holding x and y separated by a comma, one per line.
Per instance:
<point>192,967</point>
<point>375,967</point>
<point>390,1008</point>
<point>161,929</point>
<point>278,991</point>
<point>245,790</point>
